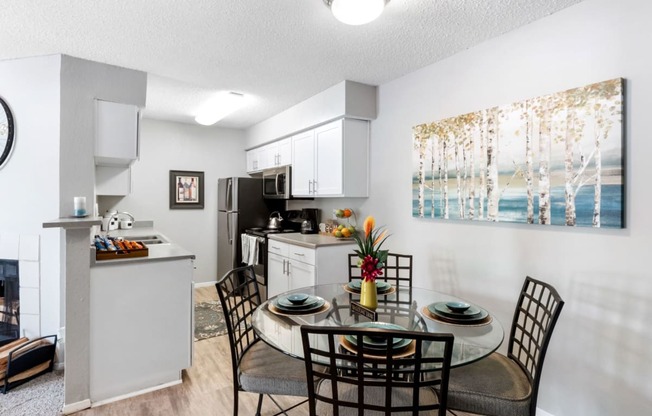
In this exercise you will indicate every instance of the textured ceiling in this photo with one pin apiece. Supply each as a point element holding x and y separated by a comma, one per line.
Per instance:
<point>277,52</point>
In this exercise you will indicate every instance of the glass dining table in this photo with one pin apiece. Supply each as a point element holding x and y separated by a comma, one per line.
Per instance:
<point>412,308</point>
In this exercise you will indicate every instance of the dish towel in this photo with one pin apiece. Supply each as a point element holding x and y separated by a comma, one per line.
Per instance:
<point>249,249</point>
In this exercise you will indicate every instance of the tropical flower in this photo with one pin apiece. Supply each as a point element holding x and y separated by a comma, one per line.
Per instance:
<point>372,258</point>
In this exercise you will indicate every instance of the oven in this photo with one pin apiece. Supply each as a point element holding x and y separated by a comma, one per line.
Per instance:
<point>259,261</point>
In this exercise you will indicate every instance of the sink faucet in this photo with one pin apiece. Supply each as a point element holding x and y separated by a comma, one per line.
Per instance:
<point>117,216</point>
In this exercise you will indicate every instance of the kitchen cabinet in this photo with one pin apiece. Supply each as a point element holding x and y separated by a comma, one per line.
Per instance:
<point>288,267</point>
<point>112,180</point>
<point>253,160</point>
<point>141,324</point>
<point>116,133</point>
<point>292,266</point>
<point>332,160</point>
<point>278,153</point>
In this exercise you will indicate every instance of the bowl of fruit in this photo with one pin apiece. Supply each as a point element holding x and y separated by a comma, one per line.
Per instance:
<point>343,213</point>
<point>343,231</point>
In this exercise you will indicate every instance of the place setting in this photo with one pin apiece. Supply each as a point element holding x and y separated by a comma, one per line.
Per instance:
<point>298,304</point>
<point>377,345</point>
<point>382,287</point>
<point>457,313</point>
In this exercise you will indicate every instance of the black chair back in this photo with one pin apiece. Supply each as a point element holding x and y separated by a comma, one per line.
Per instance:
<point>536,314</point>
<point>239,295</point>
<point>344,379</point>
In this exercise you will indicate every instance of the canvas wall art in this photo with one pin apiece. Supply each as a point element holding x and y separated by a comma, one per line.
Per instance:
<point>552,160</point>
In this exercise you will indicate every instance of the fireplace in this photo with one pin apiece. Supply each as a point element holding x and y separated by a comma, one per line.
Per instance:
<point>9,301</point>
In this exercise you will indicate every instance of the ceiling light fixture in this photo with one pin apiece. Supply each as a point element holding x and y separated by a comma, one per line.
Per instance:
<point>356,12</point>
<point>219,106</point>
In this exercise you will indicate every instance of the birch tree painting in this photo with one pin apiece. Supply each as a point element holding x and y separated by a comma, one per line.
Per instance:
<point>552,160</point>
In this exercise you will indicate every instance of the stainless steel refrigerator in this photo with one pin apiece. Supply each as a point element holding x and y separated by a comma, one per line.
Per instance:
<point>240,205</point>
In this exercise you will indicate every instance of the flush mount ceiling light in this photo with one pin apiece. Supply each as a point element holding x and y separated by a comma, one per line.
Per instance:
<point>218,107</point>
<point>356,12</point>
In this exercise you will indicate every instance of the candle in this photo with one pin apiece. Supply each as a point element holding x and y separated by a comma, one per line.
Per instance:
<point>79,203</point>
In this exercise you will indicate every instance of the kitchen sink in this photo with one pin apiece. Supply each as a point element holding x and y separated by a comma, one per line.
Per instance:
<point>148,239</point>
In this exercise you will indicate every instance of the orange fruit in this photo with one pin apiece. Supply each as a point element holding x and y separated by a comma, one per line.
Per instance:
<point>346,232</point>
<point>347,213</point>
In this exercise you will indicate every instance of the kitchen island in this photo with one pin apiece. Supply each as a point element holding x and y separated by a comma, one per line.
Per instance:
<point>141,317</point>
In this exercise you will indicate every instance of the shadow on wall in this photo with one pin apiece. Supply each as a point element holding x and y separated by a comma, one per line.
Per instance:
<point>443,272</point>
<point>605,335</point>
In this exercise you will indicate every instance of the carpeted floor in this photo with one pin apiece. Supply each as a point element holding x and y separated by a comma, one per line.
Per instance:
<point>42,396</point>
<point>209,320</point>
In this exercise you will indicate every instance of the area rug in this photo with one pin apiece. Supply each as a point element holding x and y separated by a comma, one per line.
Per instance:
<point>209,320</point>
<point>41,396</point>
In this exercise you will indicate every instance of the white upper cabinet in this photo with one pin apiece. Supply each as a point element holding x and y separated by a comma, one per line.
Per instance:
<point>278,153</point>
<point>303,163</point>
<point>253,160</point>
<point>116,133</point>
<point>332,160</point>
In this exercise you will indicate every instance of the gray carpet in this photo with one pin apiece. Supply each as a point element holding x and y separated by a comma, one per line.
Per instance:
<point>209,320</point>
<point>42,396</point>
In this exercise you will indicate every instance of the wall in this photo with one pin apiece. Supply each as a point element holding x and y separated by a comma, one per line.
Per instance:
<point>600,358</point>
<point>169,146</point>
<point>30,179</point>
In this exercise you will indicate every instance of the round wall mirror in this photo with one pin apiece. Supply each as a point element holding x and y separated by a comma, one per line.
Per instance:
<point>6,132</point>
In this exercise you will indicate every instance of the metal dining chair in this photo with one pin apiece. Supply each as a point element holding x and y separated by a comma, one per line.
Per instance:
<point>408,381</point>
<point>257,367</point>
<point>397,269</point>
<point>501,385</point>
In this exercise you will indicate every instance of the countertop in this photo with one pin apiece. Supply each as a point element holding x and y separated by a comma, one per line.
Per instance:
<point>310,240</point>
<point>157,252</point>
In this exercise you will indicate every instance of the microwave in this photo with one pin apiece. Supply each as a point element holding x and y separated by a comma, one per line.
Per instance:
<point>276,183</point>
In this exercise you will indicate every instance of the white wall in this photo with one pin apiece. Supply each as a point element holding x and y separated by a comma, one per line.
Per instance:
<point>600,360</point>
<point>166,146</point>
<point>31,89</point>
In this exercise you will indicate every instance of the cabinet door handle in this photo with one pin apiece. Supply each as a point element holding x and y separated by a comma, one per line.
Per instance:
<point>299,254</point>
<point>275,248</point>
<point>314,187</point>
<point>284,266</point>
<point>288,268</point>
<point>309,187</point>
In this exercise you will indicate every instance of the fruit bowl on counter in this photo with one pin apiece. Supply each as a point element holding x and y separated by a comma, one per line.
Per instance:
<point>346,230</point>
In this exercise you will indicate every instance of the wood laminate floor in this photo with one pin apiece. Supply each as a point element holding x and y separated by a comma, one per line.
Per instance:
<point>207,388</point>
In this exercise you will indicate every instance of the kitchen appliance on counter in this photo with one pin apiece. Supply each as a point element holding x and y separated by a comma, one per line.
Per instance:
<point>240,206</point>
<point>276,183</point>
<point>310,222</point>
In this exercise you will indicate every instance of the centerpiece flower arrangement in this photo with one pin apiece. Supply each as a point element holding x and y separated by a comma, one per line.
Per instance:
<point>372,259</point>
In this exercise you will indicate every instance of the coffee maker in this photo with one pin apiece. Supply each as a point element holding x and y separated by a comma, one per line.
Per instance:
<point>310,224</point>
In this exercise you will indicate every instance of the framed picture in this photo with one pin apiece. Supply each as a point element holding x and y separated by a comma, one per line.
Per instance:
<point>186,189</point>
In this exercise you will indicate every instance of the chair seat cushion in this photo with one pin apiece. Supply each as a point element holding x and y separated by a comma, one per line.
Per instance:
<point>372,395</point>
<point>266,370</point>
<point>495,385</point>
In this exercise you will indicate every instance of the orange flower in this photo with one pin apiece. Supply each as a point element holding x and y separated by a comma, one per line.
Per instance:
<point>380,237</point>
<point>368,225</point>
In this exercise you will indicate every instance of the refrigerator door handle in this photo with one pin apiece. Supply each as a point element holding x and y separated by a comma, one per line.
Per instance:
<point>228,227</point>
<point>229,195</point>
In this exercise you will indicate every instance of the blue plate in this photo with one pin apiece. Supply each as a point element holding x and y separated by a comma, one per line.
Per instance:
<point>458,307</point>
<point>379,343</point>
<point>298,298</point>
<point>313,303</point>
<point>472,314</point>
<point>381,286</point>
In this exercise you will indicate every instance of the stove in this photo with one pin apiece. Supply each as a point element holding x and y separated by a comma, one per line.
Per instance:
<point>263,232</point>
<point>260,267</point>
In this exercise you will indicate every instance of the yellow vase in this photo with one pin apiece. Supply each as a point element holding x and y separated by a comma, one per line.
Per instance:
<point>368,296</point>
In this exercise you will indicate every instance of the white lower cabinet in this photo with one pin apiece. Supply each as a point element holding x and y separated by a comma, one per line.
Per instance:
<point>291,266</point>
<point>141,326</point>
